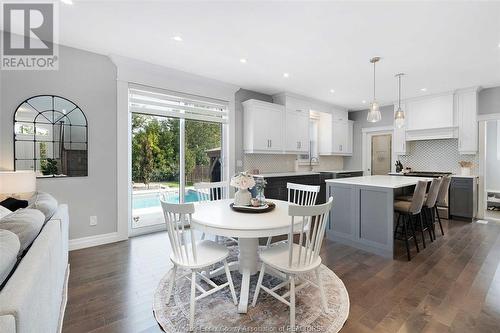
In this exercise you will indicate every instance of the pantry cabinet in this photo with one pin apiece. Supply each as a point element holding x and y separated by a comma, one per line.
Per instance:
<point>466,113</point>
<point>296,123</point>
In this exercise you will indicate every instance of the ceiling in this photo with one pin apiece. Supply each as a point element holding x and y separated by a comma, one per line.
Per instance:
<point>441,46</point>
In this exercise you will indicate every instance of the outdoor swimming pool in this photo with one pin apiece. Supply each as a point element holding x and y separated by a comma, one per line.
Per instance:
<point>149,200</point>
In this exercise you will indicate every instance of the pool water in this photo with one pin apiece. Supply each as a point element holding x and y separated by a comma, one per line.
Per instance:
<point>153,200</point>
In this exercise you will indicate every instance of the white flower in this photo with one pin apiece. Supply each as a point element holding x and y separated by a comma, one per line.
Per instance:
<point>243,181</point>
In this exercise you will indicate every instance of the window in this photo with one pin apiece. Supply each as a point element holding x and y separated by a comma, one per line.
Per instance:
<point>176,141</point>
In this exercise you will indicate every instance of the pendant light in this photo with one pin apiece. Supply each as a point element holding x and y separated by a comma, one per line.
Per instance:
<point>374,112</point>
<point>399,116</point>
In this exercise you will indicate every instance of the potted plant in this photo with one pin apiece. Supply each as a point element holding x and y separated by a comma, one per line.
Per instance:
<point>242,181</point>
<point>465,168</point>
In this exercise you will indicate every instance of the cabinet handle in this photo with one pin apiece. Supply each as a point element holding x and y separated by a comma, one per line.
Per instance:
<point>270,143</point>
<point>340,147</point>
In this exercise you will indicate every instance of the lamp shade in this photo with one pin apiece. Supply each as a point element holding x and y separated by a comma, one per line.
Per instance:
<point>17,182</point>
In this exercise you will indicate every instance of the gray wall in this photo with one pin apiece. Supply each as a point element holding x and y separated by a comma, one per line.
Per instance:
<point>89,80</point>
<point>489,101</point>
<point>492,156</point>
<point>359,118</point>
<point>239,97</point>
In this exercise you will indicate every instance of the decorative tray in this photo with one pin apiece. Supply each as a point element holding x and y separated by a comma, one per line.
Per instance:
<point>269,206</point>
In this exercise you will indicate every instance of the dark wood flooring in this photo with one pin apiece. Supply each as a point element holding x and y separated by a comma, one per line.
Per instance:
<point>452,286</point>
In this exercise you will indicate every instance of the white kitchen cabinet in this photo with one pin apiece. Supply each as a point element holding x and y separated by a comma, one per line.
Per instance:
<point>296,123</point>
<point>350,137</point>
<point>335,134</point>
<point>263,127</point>
<point>430,112</point>
<point>296,131</point>
<point>466,113</point>
<point>399,136</point>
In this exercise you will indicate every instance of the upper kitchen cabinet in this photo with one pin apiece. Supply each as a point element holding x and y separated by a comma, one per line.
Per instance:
<point>399,136</point>
<point>335,132</point>
<point>466,116</point>
<point>263,127</point>
<point>296,123</point>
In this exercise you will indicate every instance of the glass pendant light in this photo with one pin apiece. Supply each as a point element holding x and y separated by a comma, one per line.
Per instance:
<point>374,114</point>
<point>399,116</point>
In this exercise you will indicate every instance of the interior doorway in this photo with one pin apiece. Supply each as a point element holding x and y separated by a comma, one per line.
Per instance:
<point>491,170</point>
<point>381,154</point>
<point>378,156</point>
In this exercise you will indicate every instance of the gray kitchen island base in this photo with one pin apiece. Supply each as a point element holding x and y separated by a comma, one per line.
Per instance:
<point>362,215</point>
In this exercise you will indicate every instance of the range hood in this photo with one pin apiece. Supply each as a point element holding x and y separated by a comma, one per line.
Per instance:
<point>432,133</point>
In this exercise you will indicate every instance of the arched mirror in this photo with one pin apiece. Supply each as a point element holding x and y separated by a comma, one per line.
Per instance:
<point>50,137</point>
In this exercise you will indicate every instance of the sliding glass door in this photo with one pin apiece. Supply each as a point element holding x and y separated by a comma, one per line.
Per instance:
<point>170,152</point>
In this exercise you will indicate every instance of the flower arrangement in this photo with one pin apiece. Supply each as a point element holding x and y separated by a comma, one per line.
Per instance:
<point>260,184</point>
<point>243,181</point>
<point>465,164</point>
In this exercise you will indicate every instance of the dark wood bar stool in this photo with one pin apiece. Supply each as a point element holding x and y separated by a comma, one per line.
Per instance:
<point>430,206</point>
<point>408,212</point>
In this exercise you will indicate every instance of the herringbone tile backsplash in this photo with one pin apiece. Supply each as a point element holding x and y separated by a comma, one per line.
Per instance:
<point>436,155</point>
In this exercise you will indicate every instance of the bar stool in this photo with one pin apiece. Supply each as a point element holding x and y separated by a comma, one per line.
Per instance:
<point>408,210</point>
<point>428,209</point>
<point>442,199</point>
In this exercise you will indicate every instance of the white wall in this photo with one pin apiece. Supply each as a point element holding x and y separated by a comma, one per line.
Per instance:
<point>492,179</point>
<point>89,80</point>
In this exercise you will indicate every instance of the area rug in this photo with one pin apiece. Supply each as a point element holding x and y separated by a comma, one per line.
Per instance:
<point>217,313</point>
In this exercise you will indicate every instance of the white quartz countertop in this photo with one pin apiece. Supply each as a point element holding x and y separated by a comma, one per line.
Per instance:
<point>380,181</point>
<point>341,171</point>
<point>287,174</point>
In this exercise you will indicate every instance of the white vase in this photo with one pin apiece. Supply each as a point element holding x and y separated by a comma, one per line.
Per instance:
<point>242,197</point>
<point>464,171</point>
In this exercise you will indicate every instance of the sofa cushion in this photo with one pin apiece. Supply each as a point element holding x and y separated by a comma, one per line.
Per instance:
<point>14,204</point>
<point>4,211</point>
<point>45,203</point>
<point>9,248</point>
<point>25,223</point>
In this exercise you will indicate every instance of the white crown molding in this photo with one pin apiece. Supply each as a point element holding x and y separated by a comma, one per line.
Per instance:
<point>490,116</point>
<point>90,241</point>
<point>377,129</point>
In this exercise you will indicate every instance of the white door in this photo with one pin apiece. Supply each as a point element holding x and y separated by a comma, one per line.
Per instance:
<point>381,154</point>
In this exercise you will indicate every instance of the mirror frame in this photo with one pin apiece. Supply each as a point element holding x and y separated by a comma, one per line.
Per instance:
<point>52,123</point>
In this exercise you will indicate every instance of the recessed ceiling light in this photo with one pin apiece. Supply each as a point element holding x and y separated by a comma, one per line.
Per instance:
<point>498,45</point>
<point>286,75</point>
<point>177,38</point>
<point>332,90</point>
<point>423,89</point>
<point>243,60</point>
<point>363,101</point>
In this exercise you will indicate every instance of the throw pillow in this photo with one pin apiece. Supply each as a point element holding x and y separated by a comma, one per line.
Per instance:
<point>25,223</point>
<point>4,211</point>
<point>14,204</point>
<point>45,203</point>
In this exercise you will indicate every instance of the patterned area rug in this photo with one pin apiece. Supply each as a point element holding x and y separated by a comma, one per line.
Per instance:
<point>217,313</point>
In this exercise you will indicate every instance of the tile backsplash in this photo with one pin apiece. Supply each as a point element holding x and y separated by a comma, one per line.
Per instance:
<point>269,163</point>
<point>436,155</point>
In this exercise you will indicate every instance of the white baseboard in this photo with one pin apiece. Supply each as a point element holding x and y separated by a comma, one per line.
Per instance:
<point>84,242</point>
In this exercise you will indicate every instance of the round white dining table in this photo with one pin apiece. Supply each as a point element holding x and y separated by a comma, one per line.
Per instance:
<point>217,218</point>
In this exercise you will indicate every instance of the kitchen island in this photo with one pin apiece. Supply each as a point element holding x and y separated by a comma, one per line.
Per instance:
<point>362,215</point>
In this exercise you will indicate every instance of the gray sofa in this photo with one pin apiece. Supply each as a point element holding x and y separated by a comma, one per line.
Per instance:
<point>34,297</point>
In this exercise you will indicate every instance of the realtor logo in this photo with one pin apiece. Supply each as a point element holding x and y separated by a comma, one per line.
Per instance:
<point>29,36</point>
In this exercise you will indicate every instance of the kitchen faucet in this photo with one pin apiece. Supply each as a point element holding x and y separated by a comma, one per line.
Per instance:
<point>311,159</point>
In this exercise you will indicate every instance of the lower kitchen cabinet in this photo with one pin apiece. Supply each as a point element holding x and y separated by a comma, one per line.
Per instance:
<point>463,197</point>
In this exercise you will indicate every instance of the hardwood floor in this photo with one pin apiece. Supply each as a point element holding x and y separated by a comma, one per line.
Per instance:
<point>453,285</point>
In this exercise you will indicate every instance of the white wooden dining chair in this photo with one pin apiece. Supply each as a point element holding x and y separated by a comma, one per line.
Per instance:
<point>193,256</point>
<point>296,259</point>
<point>303,195</point>
<point>212,192</point>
